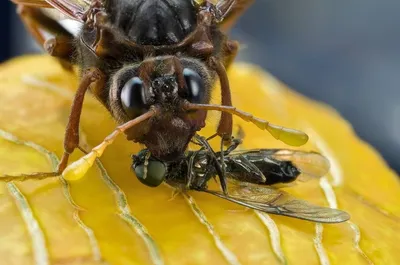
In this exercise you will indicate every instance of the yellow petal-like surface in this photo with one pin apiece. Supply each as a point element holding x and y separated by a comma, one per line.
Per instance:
<point>109,217</point>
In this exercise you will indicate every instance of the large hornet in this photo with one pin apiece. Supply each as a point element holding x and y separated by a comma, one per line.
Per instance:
<point>151,63</point>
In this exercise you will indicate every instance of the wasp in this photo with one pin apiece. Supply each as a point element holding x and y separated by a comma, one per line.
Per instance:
<point>151,63</point>
<point>253,177</point>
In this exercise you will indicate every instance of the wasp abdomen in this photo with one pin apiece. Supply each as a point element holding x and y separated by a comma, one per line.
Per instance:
<point>154,22</point>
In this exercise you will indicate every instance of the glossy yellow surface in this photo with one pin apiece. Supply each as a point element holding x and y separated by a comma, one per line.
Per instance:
<point>92,221</point>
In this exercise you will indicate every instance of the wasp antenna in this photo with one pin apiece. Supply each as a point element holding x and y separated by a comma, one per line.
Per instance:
<point>288,136</point>
<point>79,168</point>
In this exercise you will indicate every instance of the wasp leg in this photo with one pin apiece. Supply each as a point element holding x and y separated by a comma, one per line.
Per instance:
<point>91,77</point>
<point>231,49</point>
<point>60,45</point>
<point>225,124</point>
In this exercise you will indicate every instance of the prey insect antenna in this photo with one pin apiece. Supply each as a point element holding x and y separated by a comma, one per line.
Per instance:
<point>79,168</point>
<point>288,136</point>
<point>212,137</point>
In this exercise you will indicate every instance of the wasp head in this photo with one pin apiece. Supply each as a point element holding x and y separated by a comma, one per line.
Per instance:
<point>165,82</point>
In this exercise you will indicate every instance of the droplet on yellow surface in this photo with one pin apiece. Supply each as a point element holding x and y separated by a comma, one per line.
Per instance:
<point>109,217</point>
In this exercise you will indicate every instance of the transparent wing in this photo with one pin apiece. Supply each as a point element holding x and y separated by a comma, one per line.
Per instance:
<point>311,164</point>
<point>250,172</point>
<point>274,201</point>
<point>75,9</point>
<point>232,10</point>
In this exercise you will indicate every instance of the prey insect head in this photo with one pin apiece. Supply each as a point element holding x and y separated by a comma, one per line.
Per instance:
<point>149,170</point>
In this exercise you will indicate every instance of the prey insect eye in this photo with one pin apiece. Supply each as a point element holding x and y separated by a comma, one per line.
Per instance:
<point>194,85</point>
<point>133,97</point>
<point>155,174</point>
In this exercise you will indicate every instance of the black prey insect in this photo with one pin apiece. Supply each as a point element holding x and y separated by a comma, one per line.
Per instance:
<point>252,177</point>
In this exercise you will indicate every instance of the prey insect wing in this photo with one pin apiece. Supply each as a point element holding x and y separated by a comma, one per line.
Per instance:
<point>310,165</point>
<point>250,172</point>
<point>274,201</point>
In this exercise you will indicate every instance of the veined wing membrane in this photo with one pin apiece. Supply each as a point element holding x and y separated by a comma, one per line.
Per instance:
<point>75,9</point>
<point>275,201</point>
<point>312,165</point>
<point>235,9</point>
<point>251,173</point>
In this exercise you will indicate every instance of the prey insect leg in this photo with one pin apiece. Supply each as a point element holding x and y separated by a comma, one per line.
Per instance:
<point>234,144</point>
<point>71,138</point>
<point>218,168</point>
<point>236,141</point>
<point>289,136</point>
<point>232,147</point>
<point>190,168</point>
<point>222,159</point>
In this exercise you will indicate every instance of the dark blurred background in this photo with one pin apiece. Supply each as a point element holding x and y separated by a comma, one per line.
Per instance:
<point>345,53</point>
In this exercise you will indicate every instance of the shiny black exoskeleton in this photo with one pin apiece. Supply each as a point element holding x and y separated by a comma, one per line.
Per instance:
<point>248,174</point>
<point>258,166</point>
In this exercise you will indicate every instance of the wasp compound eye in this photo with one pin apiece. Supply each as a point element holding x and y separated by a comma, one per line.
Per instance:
<point>151,175</point>
<point>194,85</point>
<point>133,98</point>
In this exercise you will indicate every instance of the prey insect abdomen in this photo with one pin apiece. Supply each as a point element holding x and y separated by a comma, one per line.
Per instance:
<point>261,172</point>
